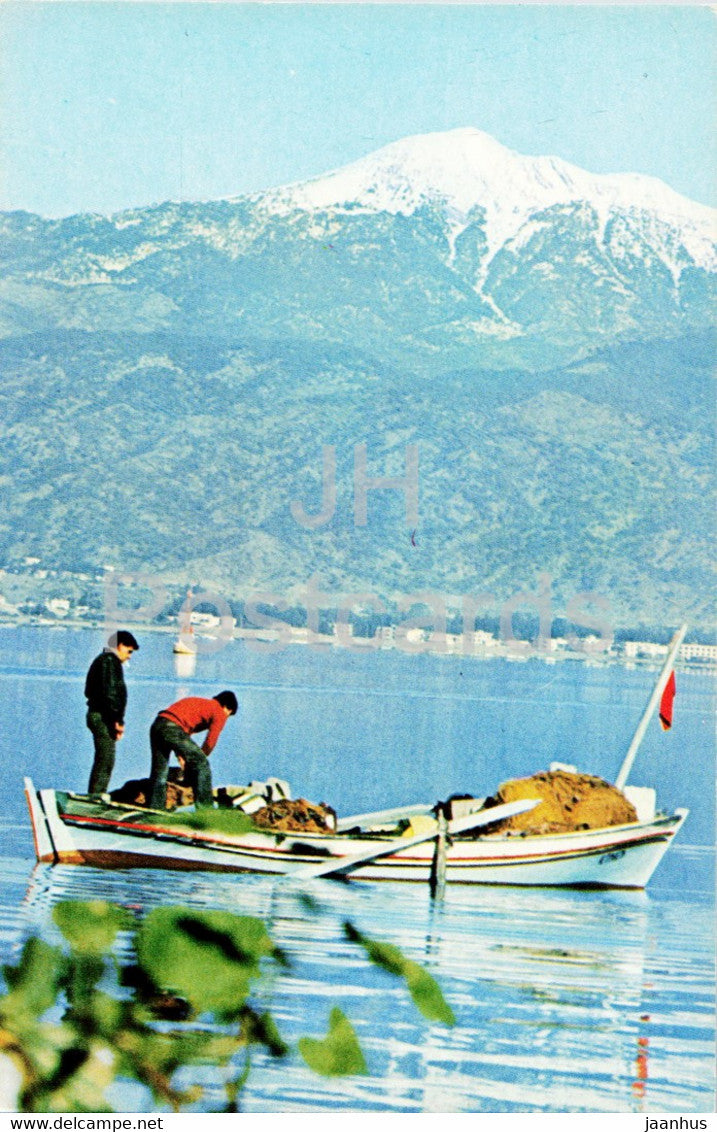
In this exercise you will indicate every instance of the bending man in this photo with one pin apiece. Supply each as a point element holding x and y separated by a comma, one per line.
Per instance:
<point>106,694</point>
<point>171,731</point>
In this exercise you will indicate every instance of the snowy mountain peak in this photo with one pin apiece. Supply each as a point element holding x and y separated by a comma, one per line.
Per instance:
<point>465,168</point>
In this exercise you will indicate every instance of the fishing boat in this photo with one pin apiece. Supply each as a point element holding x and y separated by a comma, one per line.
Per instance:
<point>74,829</point>
<point>416,842</point>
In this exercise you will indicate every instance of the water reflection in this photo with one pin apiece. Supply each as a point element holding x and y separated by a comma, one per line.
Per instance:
<point>565,1001</point>
<point>639,1085</point>
<point>560,997</point>
<point>185,664</point>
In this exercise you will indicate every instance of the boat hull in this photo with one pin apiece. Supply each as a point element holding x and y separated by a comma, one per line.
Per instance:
<point>120,838</point>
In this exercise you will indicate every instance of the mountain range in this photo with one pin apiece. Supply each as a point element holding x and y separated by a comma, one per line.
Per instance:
<point>543,334</point>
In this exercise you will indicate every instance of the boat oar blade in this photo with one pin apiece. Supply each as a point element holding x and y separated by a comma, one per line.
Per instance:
<point>492,814</point>
<point>398,844</point>
<point>380,817</point>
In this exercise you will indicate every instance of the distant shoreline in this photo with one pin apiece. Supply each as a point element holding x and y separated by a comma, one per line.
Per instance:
<point>497,651</point>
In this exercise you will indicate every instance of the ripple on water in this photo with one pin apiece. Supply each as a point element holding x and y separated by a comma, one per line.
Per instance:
<point>565,1001</point>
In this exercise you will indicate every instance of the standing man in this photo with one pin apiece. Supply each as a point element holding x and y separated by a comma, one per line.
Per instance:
<point>106,694</point>
<point>171,731</point>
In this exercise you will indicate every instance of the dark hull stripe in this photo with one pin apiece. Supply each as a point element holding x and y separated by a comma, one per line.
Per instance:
<point>117,859</point>
<point>112,859</point>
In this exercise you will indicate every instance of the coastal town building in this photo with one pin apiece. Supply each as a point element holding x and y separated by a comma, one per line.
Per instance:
<point>653,651</point>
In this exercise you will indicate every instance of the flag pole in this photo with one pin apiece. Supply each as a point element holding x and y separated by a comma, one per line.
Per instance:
<point>652,704</point>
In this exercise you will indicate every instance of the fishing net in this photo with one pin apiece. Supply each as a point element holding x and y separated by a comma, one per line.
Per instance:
<point>136,792</point>
<point>567,802</point>
<point>297,816</point>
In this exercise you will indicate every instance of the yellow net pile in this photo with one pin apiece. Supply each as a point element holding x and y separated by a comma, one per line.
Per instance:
<point>567,802</point>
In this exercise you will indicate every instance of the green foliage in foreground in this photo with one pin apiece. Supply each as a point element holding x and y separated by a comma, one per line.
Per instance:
<point>423,988</point>
<point>216,821</point>
<point>75,1018</point>
<point>339,1053</point>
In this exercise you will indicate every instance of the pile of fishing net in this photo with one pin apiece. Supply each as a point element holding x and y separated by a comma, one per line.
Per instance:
<point>568,802</point>
<point>268,803</point>
<point>136,791</point>
<point>296,815</point>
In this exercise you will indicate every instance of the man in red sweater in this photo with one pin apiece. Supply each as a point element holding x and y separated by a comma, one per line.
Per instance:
<point>171,731</point>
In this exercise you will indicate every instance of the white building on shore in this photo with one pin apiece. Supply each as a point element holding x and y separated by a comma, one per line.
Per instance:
<point>650,650</point>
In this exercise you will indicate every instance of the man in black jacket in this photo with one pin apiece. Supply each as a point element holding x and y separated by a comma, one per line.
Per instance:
<point>106,694</point>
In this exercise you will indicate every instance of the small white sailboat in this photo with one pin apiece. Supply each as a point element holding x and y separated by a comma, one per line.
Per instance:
<point>185,644</point>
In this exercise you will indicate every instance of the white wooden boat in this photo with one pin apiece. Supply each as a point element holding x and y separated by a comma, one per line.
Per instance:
<point>77,829</point>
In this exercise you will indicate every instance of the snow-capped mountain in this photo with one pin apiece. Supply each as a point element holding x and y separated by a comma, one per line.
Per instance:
<point>465,169</point>
<point>442,246</point>
<point>543,334</point>
<point>432,252</point>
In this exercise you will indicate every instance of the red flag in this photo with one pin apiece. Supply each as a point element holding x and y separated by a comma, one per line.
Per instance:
<point>666,703</point>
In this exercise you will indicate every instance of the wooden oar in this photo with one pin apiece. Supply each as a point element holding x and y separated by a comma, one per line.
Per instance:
<point>398,844</point>
<point>382,817</point>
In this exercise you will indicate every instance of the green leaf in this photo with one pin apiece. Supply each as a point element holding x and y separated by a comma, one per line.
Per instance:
<point>385,955</point>
<point>145,1051</point>
<point>35,981</point>
<point>427,994</point>
<point>105,1014</point>
<point>261,1029</point>
<point>84,973</point>
<point>422,987</point>
<point>90,926</point>
<point>217,821</point>
<point>339,1053</point>
<point>207,957</point>
<point>79,1083</point>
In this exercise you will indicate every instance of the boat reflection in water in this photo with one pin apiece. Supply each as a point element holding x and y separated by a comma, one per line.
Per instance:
<point>185,663</point>
<point>559,995</point>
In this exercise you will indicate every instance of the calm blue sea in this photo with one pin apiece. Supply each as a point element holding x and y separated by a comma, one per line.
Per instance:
<point>566,1001</point>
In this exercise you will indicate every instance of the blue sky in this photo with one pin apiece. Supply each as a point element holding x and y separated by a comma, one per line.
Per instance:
<point>109,105</point>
